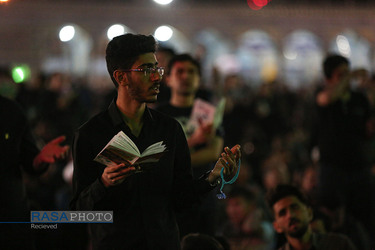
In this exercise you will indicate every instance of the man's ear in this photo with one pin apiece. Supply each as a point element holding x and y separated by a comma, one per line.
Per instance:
<point>276,227</point>
<point>121,77</point>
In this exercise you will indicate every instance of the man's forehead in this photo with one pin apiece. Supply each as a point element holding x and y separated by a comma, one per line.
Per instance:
<point>183,64</point>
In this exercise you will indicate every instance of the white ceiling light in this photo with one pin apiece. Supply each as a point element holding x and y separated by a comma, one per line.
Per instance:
<point>163,2</point>
<point>115,30</point>
<point>163,33</point>
<point>67,33</point>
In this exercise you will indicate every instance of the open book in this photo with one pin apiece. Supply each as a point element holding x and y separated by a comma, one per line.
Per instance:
<point>121,149</point>
<point>206,113</point>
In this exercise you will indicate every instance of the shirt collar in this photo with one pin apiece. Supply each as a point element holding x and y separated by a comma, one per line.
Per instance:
<point>115,114</point>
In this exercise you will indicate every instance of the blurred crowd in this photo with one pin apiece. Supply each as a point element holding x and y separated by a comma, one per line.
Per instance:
<point>272,123</point>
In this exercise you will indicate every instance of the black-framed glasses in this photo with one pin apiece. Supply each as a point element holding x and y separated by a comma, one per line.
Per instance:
<point>148,71</point>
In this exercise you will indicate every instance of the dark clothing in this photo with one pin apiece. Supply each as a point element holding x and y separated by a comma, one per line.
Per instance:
<point>144,203</point>
<point>328,241</point>
<point>342,142</point>
<point>201,218</point>
<point>342,132</point>
<point>17,150</point>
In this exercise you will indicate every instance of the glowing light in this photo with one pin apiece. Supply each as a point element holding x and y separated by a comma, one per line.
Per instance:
<point>163,2</point>
<point>343,45</point>
<point>290,55</point>
<point>20,73</point>
<point>257,4</point>
<point>3,1</point>
<point>67,33</point>
<point>260,3</point>
<point>163,33</point>
<point>115,30</point>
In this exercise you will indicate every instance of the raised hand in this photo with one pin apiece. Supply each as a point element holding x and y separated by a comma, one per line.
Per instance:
<point>51,152</point>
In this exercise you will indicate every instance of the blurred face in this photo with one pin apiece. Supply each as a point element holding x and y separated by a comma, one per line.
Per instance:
<point>141,87</point>
<point>292,217</point>
<point>341,74</point>
<point>184,78</point>
<point>237,209</point>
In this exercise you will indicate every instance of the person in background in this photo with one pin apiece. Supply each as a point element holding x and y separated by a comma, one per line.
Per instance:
<point>343,131</point>
<point>143,204</point>
<point>196,241</point>
<point>19,154</point>
<point>292,217</point>
<point>246,226</point>
<point>205,141</point>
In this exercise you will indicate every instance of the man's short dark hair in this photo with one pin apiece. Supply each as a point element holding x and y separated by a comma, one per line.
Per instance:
<point>331,62</point>
<point>122,51</point>
<point>282,191</point>
<point>194,241</point>
<point>183,58</point>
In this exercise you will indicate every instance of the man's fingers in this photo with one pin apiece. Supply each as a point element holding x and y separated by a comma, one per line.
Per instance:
<point>58,140</point>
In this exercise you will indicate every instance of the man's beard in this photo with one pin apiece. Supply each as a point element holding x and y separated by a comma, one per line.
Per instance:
<point>136,92</point>
<point>300,232</point>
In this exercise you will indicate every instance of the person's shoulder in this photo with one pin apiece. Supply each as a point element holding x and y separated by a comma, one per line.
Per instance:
<point>338,240</point>
<point>9,104</point>
<point>94,122</point>
<point>11,108</point>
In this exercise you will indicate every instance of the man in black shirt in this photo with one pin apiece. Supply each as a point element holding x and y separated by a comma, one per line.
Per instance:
<point>342,138</point>
<point>143,203</point>
<point>205,141</point>
<point>18,154</point>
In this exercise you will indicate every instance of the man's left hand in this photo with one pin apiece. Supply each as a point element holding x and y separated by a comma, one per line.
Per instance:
<point>51,152</point>
<point>229,160</point>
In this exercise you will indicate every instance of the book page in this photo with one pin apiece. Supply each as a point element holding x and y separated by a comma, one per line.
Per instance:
<point>121,149</point>
<point>202,111</point>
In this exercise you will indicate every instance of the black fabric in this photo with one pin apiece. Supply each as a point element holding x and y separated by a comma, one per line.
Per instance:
<point>144,203</point>
<point>342,132</point>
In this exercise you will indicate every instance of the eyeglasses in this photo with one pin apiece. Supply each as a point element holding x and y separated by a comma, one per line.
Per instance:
<point>148,71</point>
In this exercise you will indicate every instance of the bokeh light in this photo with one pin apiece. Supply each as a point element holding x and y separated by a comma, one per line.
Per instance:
<point>115,30</point>
<point>67,33</point>
<point>20,73</point>
<point>257,4</point>
<point>163,33</point>
<point>163,2</point>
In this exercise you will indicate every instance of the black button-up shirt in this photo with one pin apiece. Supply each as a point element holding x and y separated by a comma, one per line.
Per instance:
<point>144,203</point>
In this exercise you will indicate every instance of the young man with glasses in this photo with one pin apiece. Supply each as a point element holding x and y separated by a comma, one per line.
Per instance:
<point>143,204</point>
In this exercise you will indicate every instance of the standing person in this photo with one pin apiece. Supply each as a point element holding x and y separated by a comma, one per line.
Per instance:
<point>143,204</point>
<point>343,117</point>
<point>18,154</point>
<point>292,216</point>
<point>205,142</point>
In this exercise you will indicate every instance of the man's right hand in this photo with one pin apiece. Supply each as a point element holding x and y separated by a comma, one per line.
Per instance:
<point>202,134</point>
<point>115,175</point>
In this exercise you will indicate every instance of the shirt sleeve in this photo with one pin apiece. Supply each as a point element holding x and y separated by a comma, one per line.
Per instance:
<point>89,191</point>
<point>187,191</point>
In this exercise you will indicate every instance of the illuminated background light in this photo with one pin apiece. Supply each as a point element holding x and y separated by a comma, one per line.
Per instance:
<point>20,73</point>
<point>115,30</point>
<point>67,33</point>
<point>257,4</point>
<point>163,2</point>
<point>163,33</point>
